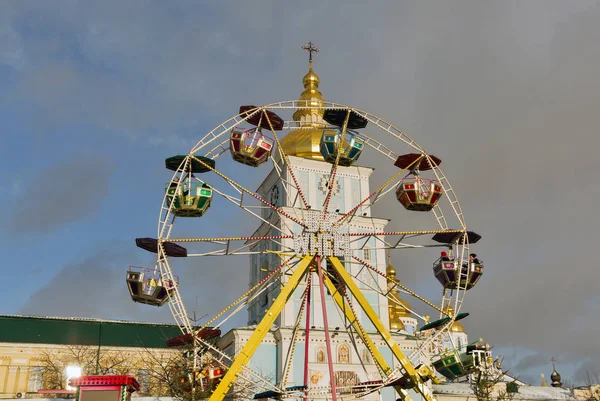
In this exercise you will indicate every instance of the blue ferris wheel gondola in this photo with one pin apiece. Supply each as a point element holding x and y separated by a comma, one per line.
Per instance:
<point>344,148</point>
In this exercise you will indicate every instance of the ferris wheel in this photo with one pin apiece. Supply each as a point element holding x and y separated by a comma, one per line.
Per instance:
<point>316,241</point>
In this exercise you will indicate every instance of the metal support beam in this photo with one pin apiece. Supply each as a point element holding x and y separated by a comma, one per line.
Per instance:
<point>347,311</point>
<point>261,330</point>
<point>385,334</point>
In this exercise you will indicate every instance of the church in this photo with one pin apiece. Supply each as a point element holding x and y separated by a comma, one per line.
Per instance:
<point>352,362</point>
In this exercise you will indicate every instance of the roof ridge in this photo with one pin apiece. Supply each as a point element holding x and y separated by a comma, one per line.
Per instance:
<point>85,319</point>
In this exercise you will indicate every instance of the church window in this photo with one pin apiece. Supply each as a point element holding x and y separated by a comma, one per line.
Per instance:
<point>369,279</point>
<point>459,343</point>
<point>366,356</point>
<point>355,189</point>
<point>320,355</point>
<point>367,253</point>
<point>343,354</point>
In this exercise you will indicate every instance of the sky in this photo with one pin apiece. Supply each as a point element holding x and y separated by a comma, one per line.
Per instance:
<point>95,95</point>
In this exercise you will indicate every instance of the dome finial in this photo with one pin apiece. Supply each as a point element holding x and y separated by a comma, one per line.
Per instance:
<point>304,142</point>
<point>555,376</point>
<point>311,97</point>
<point>310,48</point>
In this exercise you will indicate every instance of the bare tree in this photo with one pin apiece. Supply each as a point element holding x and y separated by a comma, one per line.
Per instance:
<point>89,358</point>
<point>172,374</point>
<point>175,374</point>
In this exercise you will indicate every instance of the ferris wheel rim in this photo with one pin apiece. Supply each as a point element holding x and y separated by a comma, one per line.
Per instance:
<point>294,104</point>
<point>165,234</point>
<point>380,123</point>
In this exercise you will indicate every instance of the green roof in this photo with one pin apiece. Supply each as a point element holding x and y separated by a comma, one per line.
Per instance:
<point>77,331</point>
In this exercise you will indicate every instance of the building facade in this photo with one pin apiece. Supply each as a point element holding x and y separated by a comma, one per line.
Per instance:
<point>352,362</point>
<point>34,351</point>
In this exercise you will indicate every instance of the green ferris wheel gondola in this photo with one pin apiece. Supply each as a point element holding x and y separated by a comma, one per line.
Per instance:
<point>174,162</point>
<point>453,365</point>
<point>189,200</point>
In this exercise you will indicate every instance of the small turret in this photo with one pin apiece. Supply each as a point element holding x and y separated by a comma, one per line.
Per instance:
<point>555,376</point>
<point>400,316</point>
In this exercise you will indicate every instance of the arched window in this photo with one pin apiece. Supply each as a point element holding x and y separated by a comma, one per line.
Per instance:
<point>343,354</point>
<point>320,355</point>
<point>366,356</point>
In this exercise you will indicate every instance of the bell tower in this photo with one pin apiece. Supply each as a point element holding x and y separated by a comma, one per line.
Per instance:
<point>351,186</point>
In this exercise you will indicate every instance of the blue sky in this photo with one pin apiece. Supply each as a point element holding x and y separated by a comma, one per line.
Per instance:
<point>95,95</point>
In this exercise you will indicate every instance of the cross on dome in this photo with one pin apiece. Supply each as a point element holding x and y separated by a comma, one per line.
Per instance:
<point>310,48</point>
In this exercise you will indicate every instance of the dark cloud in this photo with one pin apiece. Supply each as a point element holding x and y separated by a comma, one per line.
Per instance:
<point>531,361</point>
<point>93,287</point>
<point>62,194</point>
<point>505,93</point>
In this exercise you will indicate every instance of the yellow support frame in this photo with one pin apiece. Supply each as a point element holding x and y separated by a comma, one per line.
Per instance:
<point>261,330</point>
<point>275,310</point>
<point>408,367</point>
<point>377,357</point>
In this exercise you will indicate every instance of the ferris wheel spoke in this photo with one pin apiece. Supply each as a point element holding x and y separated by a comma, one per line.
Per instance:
<point>264,288</point>
<point>277,209</point>
<point>401,233</point>
<point>404,363</point>
<point>223,128</point>
<point>383,292</point>
<point>379,197</point>
<point>240,203</point>
<point>227,241</point>
<point>286,161</point>
<point>247,293</point>
<point>334,167</point>
<point>257,378</point>
<point>261,329</point>
<point>345,307</point>
<point>326,327</point>
<point>381,243</point>
<point>285,184</point>
<point>221,240</point>
<point>297,327</point>
<point>378,190</point>
<point>397,284</point>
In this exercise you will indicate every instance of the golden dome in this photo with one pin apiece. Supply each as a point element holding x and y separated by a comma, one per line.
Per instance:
<point>456,327</point>
<point>390,271</point>
<point>401,307</point>
<point>305,142</point>
<point>395,323</point>
<point>311,79</point>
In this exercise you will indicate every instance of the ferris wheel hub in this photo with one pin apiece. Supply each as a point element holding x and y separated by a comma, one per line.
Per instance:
<point>323,236</point>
